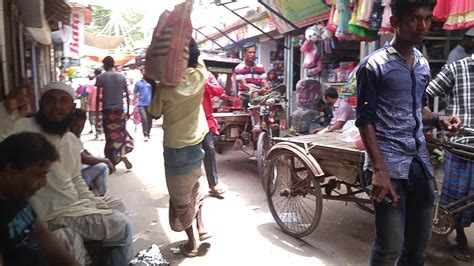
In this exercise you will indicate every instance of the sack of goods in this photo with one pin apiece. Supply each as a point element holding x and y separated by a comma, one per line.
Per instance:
<point>167,56</point>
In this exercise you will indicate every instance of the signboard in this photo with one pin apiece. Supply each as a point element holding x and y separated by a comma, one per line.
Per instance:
<point>299,12</point>
<point>75,34</point>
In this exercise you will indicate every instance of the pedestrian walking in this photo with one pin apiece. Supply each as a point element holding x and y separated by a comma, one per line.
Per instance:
<point>111,90</point>
<point>184,126</point>
<point>211,90</point>
<point>95,117</point>
<point>142,92</point>
<point>391,85</point>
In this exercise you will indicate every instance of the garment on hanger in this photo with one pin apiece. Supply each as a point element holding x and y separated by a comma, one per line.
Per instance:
<point>461,15</point>
<point>385,27</point>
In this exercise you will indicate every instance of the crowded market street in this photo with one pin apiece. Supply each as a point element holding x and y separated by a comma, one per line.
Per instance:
<point>244,231</point>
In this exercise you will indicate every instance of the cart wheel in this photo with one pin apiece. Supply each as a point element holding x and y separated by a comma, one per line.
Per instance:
<point>443,223</point>
<point>263,146</point>
<point>362,194</point>
<point>294,201</point>
<point>298,169</point>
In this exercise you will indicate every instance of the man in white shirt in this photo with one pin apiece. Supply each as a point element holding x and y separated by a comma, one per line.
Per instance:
<point>66,200</point>
<point>464,49</point>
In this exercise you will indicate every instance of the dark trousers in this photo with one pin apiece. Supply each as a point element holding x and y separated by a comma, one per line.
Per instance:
<point>146,119</point>
<point>402,233</point>
<point>210,163</point>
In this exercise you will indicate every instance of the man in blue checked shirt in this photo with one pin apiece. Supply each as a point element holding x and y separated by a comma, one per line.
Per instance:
<point>391,85</point>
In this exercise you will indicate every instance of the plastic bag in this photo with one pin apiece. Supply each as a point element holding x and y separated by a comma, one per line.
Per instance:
<point>149,257</point>
<point>351,134</point>
<point>301,119</point>
<point>307,93</point>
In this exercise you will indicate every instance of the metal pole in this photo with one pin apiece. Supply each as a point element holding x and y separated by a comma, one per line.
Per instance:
<point>35,74</point>
<point>250,23</point>
<point>289,78</point>
<point>207,37</point>
<point>223,33</point>
<point>3,48</point>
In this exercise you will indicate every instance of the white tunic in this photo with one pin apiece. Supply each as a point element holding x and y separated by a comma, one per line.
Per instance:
<point>66,193</point>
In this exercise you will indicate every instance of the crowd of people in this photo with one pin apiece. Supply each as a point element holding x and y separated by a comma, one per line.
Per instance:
<point>53,192</point>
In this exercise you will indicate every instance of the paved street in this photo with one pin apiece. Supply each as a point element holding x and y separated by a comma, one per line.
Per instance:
<point>244,232</point>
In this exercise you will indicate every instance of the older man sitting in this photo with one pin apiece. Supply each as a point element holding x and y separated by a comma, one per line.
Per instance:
<point>65,201</point>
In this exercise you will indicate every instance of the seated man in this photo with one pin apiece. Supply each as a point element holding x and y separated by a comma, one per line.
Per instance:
<point>97,169</point>
<point>324,117</point>
<point>65,201</point>
<point>25,160</point>
<point>342,111</point>
<point>249,78</point>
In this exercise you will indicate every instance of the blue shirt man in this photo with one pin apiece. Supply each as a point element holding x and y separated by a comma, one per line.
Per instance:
<point>391,86</point>
<point>388,94</point>
<point>143,89</point>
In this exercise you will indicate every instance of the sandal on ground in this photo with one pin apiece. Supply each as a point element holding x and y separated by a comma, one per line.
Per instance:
<point>186,253</point>
<point>461,253</point>
<point>204,235</point>
<point>217,192</point>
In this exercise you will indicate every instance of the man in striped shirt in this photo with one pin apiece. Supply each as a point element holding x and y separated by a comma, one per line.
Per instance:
<point>248,73</point>
<point>456,82</point>
<point>249,79</point>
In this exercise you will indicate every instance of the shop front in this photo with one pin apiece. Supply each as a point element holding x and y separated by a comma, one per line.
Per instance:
<point>28,52</point>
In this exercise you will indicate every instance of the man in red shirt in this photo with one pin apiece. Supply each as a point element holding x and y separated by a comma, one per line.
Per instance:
<point>211,90</point>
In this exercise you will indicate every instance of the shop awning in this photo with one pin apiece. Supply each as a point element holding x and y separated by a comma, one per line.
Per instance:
<point>39,15</point>
<point>57,10</point>
<point>291,15</point>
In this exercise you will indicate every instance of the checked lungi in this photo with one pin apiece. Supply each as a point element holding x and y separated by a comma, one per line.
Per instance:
<point>458,182</point>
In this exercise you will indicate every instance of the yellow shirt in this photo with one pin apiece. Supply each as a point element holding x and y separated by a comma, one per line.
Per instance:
<point>184,121</point>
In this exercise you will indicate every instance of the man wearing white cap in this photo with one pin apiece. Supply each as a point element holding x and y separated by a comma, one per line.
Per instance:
<point>66,200</point>
<point>464,49</point>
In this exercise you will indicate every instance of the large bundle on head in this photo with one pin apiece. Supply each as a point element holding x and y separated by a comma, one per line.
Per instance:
<point>167,56</point>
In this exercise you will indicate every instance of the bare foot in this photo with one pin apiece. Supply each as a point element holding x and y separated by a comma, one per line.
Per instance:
<point>127,163</point>
<point>189,250</point>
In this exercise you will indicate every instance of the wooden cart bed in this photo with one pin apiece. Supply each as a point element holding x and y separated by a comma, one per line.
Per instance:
<point>231,117</point>
<point>339,158</point>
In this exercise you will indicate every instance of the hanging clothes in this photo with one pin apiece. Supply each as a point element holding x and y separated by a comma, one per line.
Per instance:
<point>386,27</point>
<point>441,10</point>
<point>360,27</point>
<point>332,25</point>
<point>461,15</point>
<point>363,12</point>
<point>376,16</point>
<point>342,32</point>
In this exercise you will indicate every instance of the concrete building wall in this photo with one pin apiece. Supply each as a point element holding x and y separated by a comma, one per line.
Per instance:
<point>264,53</point>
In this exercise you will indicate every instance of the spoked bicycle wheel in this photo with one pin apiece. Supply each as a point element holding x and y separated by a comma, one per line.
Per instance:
<point>263,145</point>
<point>294,199</point>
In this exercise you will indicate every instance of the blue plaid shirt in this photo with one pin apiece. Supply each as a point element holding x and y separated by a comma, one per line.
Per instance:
<point>390,96</point>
